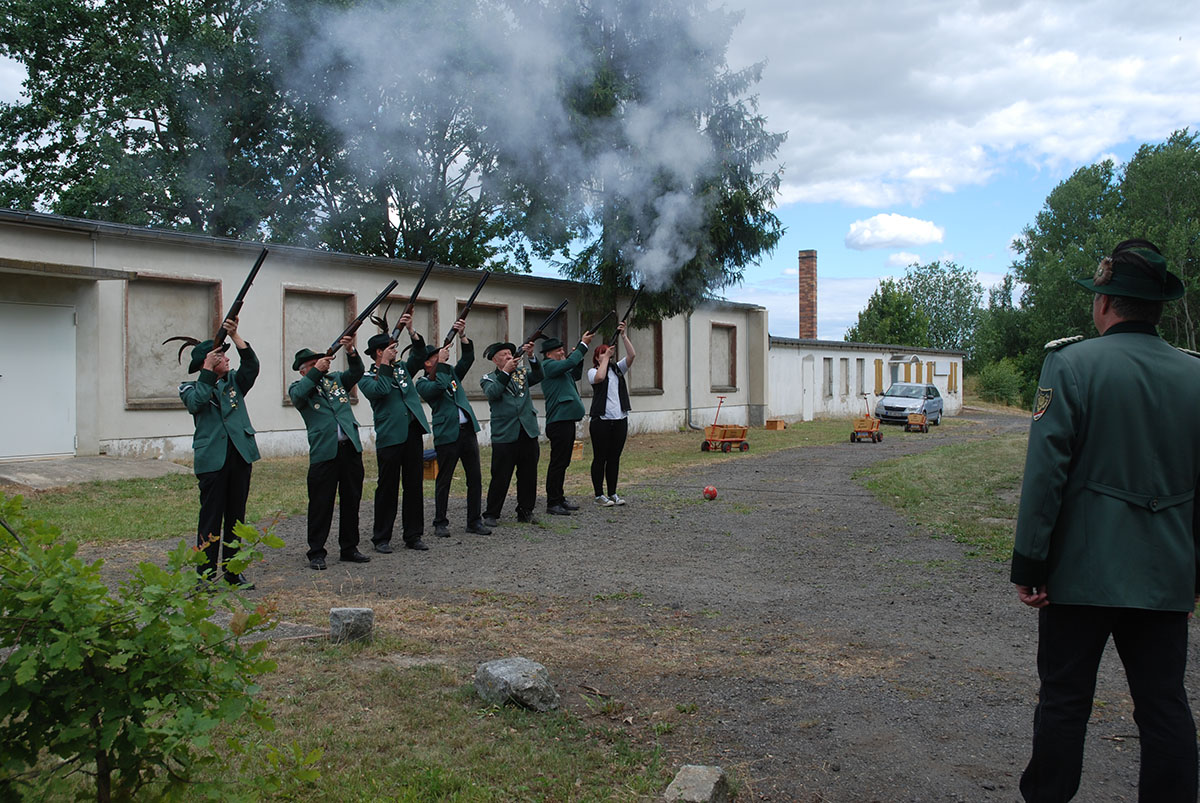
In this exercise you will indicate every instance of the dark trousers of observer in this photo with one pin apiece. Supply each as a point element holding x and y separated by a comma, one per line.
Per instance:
<point>341,477</point>
<point>608,441</point>
<point>400,463</point>
<point>561,435</point>
<point>465,449</point>
<point>223,496</point>
<point>1153,648</point>
<point>522,454</point>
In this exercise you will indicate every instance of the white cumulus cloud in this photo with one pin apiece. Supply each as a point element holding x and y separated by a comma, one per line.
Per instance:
<point>892,231</point>
<point>902,259</point>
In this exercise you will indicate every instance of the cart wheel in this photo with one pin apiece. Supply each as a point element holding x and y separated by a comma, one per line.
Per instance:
<point>705,446</point>
<point>726,446</point>
<point>853,438</point>
<point>906,429</point>
<point>745,447</point>
<point>878,437</point>
<point>925,428</point>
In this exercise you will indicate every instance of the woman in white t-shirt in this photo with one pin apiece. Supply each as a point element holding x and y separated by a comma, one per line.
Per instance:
<point>609,424</point>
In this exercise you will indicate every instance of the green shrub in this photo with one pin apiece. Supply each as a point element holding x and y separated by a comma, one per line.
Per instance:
<point>1000,382</point>
<point>138,690</point>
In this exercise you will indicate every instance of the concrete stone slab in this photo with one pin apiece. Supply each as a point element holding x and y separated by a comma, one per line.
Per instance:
<point>58,472</point>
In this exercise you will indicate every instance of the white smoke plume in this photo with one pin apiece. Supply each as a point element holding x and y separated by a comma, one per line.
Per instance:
<point>401,64</point>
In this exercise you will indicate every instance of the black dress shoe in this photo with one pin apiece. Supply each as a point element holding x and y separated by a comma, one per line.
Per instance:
<point>526,518</point>
<point>384,547</point>
<point>569,505</point>
<point>317,563</point>
<point>491,521</point>
<point>558,510</point>
<point>239,581</point>
<point>479,528</point>
<point>441,531</point>
<point>418,545</point>
<point>354,557</point>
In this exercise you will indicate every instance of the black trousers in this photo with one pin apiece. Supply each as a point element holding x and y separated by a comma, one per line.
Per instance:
<point>341,477</point>
<point>561,435</point>
<point>1153,648</point>
<point>223,495</point>
<point>522,454</point>
<point>466,449</point>
<point>608,440</point>
<point>400,463</point>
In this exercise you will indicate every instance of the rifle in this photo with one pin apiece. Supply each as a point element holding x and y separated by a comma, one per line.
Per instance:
<point>219,337</point>
<point>362,316</point>
<point>603,321</point>
<point>539,332</point>
<point>612,341</point>
<point>412,299</point>
<point>467,309</point>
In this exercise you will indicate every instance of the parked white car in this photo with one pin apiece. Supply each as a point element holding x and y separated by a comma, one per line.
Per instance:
<point>905,398</point>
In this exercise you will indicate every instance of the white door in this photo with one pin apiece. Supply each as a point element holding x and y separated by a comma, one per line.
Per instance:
<point>37,380</point>
<point>808,381</point>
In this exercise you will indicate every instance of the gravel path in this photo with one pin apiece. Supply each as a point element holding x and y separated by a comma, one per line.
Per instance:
<point>848,656</point>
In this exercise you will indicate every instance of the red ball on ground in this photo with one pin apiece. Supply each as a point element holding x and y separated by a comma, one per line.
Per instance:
<point>710,492</point>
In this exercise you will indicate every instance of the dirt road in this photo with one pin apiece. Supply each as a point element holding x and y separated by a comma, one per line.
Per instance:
<point>795,631</point>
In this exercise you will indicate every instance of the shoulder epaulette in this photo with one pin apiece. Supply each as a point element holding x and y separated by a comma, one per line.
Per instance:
<point>1062,341</point>
<point>1189,351</point>
<point>192,385</point>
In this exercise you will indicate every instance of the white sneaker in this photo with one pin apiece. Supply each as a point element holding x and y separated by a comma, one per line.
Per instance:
<point>604,501</point>
<point>616,500</point>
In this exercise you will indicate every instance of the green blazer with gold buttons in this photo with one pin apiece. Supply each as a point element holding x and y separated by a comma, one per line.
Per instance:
<point>323,401</point>
<point>218,407</point>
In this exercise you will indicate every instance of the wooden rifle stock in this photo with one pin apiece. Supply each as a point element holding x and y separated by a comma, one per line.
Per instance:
<point>362,316</point>
<point>612,341</point>
<point>236,308</point>
<point>539,332</point>
<point>467,309</point>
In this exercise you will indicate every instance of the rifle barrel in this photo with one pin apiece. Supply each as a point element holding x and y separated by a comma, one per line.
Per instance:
<point>467,308</point>
<point>612,341</point>
<point>236,307</point>
<point>412,299</point>
<point>549,319</point>
<point>362,316</point>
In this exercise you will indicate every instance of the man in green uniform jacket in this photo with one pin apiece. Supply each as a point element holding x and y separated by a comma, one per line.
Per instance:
<point>400,427</point>
<point>223,446</point>
<point>454,428</point>
<point>1107,530</point>
<point>514,429</point>
<point>334,450</point>
<point>564,409</point>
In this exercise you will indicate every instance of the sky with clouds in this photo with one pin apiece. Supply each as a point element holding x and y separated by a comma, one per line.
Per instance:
<point>935,129</point>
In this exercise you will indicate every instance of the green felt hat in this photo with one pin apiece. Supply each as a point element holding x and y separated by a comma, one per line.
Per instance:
<point>303,356</point>
<point>492,350</point>
<point>200,351</point>
<point>550,344</point>
<point>378,342</point>
<point>1135,269</point>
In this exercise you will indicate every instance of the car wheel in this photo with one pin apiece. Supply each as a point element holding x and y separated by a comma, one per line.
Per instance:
<point>937,420</point>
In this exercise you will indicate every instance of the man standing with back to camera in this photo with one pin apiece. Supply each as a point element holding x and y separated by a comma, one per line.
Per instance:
<point>1106,540</point>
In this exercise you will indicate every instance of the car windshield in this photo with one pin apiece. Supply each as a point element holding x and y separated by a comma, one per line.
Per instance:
<point>906,391</point>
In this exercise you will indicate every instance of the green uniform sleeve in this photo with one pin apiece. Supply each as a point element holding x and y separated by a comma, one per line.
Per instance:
<point>494,384</point>
<point>375,386</point>
<point>247,370</point>
<point>1052,436</point>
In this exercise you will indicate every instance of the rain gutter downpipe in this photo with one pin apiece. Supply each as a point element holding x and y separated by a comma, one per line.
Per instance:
<point>687,346</point>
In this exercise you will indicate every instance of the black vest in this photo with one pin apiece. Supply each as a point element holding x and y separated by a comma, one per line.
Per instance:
<point>600,393</point>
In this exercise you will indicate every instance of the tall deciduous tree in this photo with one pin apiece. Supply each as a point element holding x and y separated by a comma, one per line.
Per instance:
<point>891,317</point>
<point>950,296</point>
<point>149,113</point>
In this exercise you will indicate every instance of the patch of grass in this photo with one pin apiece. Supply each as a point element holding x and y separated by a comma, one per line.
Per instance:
<point>420,733</point>
<point>968,491</point>
<point>167,506</point>
<point>619,595</point>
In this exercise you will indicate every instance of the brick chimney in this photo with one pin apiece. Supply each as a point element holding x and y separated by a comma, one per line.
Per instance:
<point>808,295</point>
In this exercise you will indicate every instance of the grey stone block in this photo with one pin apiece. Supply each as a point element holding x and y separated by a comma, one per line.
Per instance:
<point>351,624</point>
<point>696,784</point>
<point>516,680</point>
